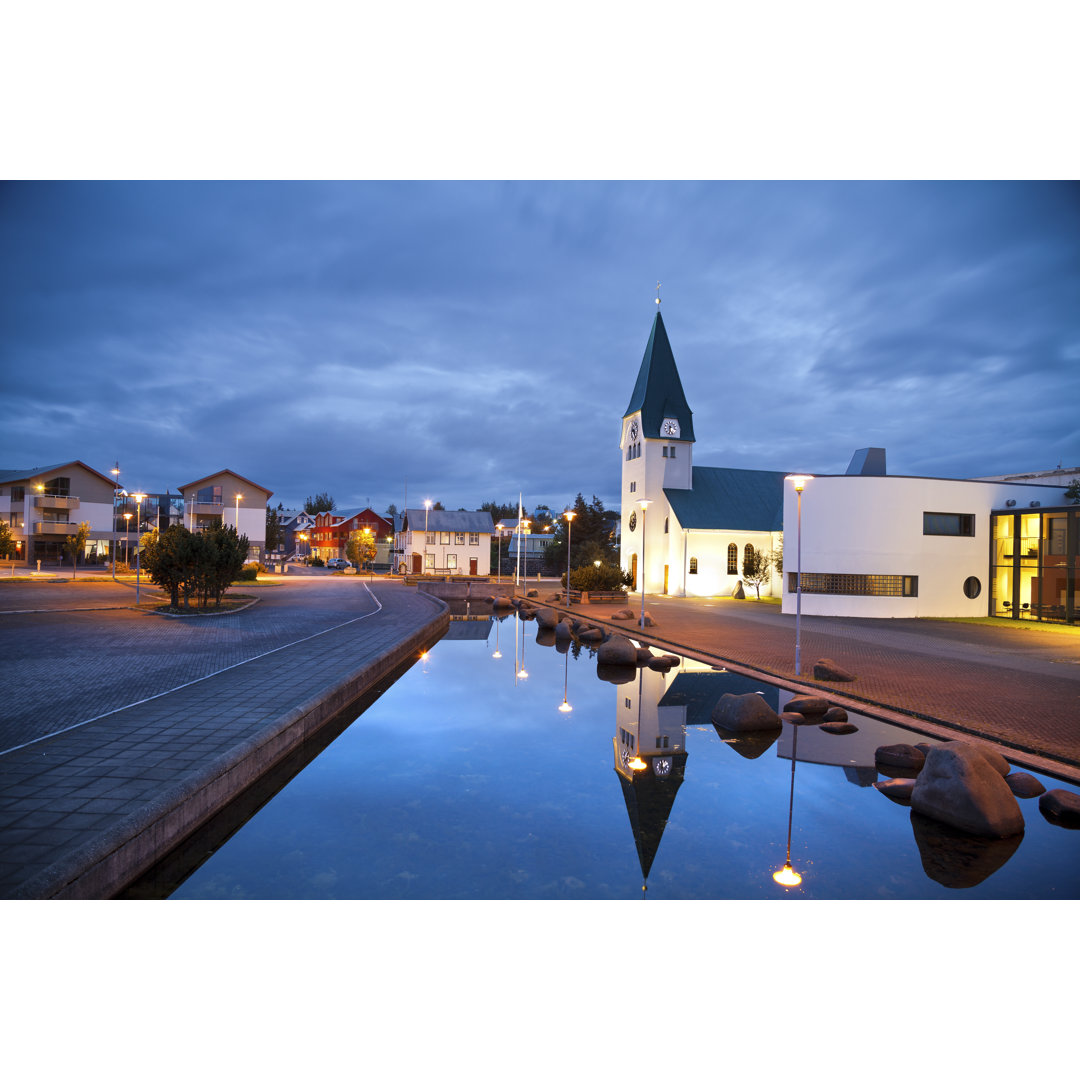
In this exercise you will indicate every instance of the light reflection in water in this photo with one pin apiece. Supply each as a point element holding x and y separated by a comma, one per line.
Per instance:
<point>462,782</point>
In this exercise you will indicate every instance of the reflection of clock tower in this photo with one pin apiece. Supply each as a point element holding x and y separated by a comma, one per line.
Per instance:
<point>657,444</point>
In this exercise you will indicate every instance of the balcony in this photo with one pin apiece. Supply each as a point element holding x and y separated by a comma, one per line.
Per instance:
<point>208,506</point>
<point>56,502</point>
<point>55,528</point>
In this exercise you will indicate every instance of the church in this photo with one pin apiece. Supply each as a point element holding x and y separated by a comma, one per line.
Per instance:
<point>686,528</point>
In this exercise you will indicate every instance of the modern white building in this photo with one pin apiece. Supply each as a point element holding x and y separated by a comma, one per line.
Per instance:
<point>443,542</point>
<point>231,498</point>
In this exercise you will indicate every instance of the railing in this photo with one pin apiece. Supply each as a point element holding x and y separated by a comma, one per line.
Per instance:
<point>56,502</point>
<point>56,528</point>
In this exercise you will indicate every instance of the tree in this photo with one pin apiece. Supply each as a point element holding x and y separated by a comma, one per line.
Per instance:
<point>169,560</point>
<point>360,547</point>
<point>7,542</point>
<point>391,511</point>
<point>220,554</point>
<point>273,529</point>
<point>320,503</point>
<point>76,545</point>
<point>605,577</point>
<point>756,567</point>
<point>778,556</point>
<point>592,536</point>
<point>1073,491</point>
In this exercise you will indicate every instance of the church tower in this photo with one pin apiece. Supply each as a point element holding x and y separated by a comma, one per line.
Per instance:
<point>657,453</point>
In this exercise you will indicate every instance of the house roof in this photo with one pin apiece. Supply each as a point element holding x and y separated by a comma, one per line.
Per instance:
<point>743,500</point>
<point>477,521</point>
<point>658,392</point>
<point>9,475</point>
<point>225,472</point>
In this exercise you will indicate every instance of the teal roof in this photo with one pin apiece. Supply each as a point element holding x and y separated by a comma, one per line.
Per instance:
<point>749,500</point>
<point>658,392</point>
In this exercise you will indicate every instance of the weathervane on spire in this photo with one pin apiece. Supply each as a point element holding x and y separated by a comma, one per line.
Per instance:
<point>658,294</point>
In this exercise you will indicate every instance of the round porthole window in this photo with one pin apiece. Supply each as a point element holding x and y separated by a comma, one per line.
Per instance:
<point>972,587</point>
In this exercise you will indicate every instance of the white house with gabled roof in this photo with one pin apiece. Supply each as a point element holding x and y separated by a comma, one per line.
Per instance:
<point>443,542</point>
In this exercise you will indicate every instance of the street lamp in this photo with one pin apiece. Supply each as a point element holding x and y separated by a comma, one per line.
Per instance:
<point>644,504</point>
<point>116,484</point>
<point>138,496</point>
<point>127,537</point>
<point>569,515</point>
<point>238,498</point>
<point>498,532</point>
<point>522,526</point>
<point>799,482</point>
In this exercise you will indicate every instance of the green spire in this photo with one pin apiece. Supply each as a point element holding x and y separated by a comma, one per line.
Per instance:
<point>658,392</point>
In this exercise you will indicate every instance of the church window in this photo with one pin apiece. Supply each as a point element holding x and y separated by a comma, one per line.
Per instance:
<point>732,559</point>
<point>671,451</point>
<point>633,485</point>
<point>693,564</point>
<point>665,525</point>
<point>748,553</point>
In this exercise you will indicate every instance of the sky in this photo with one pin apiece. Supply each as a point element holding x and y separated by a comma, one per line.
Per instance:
<point>466,341</point>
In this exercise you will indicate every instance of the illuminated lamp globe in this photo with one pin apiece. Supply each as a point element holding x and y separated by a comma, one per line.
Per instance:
<point>787,877</point>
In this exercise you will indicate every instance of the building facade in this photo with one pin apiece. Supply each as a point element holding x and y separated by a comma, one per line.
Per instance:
<point>331,530</point>
<point>231,498</point>
<point>443,542</point>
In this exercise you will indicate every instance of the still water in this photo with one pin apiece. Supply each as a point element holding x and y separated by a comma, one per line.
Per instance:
<point>465,780</point>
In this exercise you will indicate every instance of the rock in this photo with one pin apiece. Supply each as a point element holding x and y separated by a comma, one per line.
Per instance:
<point>616,650</point>
<point>615,673</point>
<point>803,718</point>
<point>547,617</point>
<point>738,592</point>
<point>502,601</point>
<point>663,663</point>
<point>900,756</point>
<point>644,655</point>
<point>961,787</point>
<point>533,593</point>
<point>1061,807</point>
<point>748,744</point>
<point>545,635</point>
<point>563,632</point>
<point>839,728</point>
<point>926,747</point>
<point>556,598</point>
<point>349,570</point>
<point>996,761</point>
<point>898,790</point>
<point>744,712</point>
<point>807,705</point>
<point>626,613</point>
<point>1023,785</point>
<point>836,715</point>
<point>592,635</point>
<point>957,859</point>
<point>526,612</point>
<point>830,671</point>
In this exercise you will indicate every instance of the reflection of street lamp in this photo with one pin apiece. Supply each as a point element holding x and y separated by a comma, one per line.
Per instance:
<point>521,673</point>
<point>788,877</point>
<point>566,706</point>
<point>496,655</point>
<point>799,483</point>
<point>644,504</point>
<point>569,515</point>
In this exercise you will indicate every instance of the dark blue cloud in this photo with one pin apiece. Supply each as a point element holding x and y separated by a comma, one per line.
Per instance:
<point>474,339</point>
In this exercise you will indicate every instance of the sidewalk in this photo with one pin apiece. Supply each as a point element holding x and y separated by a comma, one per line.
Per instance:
<point>126,729</point>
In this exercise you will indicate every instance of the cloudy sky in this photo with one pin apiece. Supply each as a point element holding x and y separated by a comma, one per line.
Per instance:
<point>467,340</point>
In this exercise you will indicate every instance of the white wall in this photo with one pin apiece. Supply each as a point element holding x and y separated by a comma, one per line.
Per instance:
<point>874,525</point>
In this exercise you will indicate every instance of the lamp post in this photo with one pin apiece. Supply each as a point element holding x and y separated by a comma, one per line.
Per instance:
<point>569,515</point>
<point>138,496</point>
<point>116,473</point>
<point>238,498</point>
<point>644,504</point>
<point>427,508</point>
<point>127,537</point>
<point>799,483</point>
<point>498,532</point>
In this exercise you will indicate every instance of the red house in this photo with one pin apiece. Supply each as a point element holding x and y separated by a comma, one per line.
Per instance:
<point>332,529</point>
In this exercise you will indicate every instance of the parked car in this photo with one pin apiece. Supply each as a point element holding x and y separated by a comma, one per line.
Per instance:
<point>337,564</point>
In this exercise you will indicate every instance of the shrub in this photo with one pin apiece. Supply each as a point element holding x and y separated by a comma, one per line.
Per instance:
<point>604,577</point>
<point>314,560</point>
<point>248,573</point>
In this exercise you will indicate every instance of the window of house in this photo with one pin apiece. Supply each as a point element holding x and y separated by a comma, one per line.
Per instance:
<point>459,539</point>
<point>58,485</point>
<point>972,587</point>
<point>429,561</point>
<point>429,538</point>
<point>693,564</point>
<point>18,494</point>
<point>856,584</point>
<point>732,559</point>
<point>211,494</point>
<point>444,538</point>
<point>474,539</point>
<point>948,524</point>
<point>451,561</point>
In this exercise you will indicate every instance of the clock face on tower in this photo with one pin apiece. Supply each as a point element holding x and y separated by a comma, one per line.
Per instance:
<point>633,430</point>
<point>670,427</point>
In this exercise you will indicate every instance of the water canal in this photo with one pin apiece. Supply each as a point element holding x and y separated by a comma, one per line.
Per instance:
<point>466,780</point>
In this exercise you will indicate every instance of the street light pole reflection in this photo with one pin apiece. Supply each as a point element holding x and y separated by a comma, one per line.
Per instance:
<point>787,876</point>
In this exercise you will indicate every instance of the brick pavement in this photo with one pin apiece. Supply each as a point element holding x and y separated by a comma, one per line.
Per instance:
<point>1016,686</point>
<point>81,807</point>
